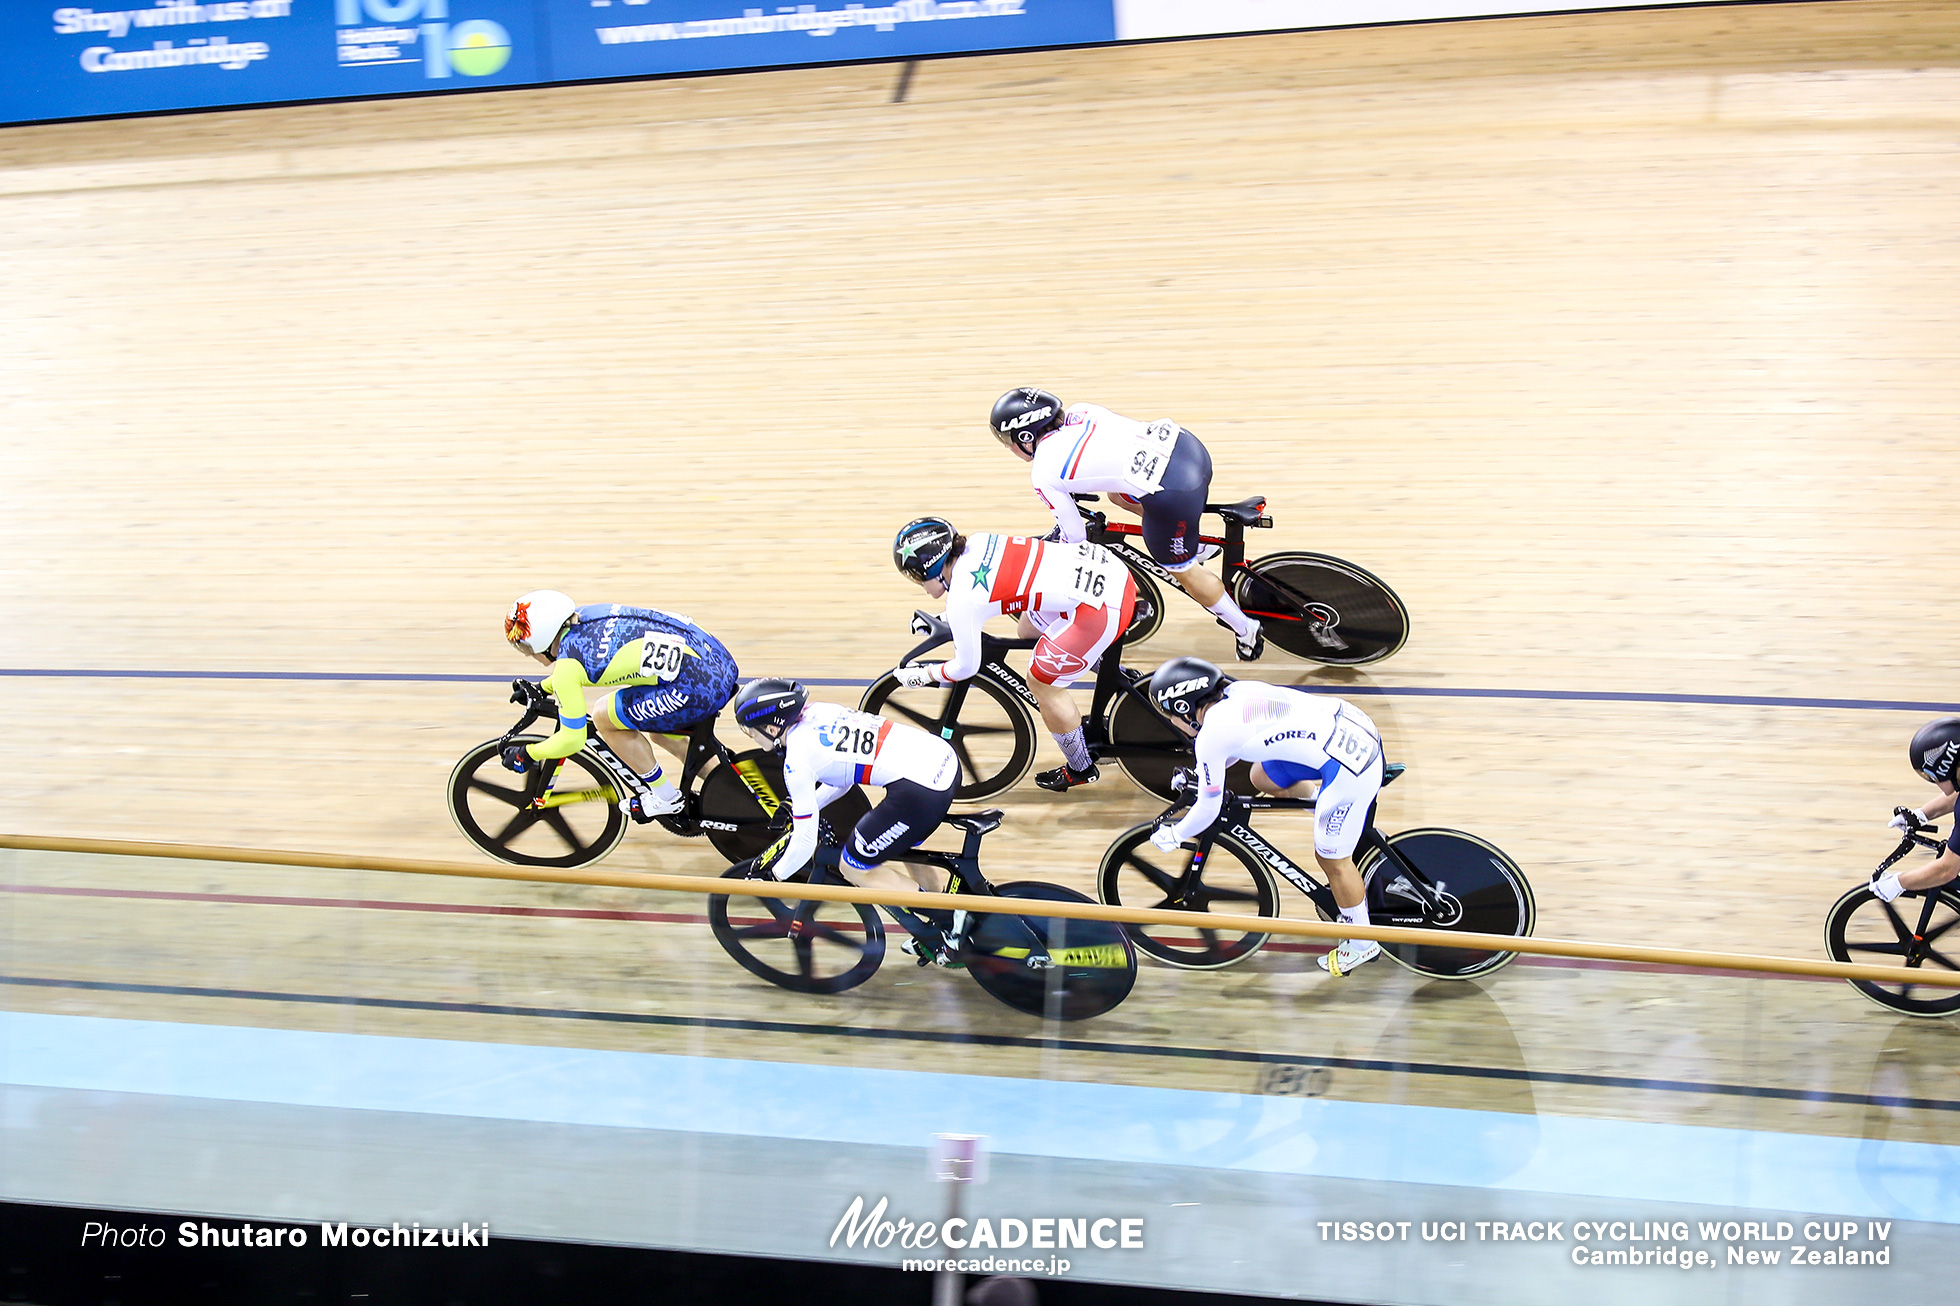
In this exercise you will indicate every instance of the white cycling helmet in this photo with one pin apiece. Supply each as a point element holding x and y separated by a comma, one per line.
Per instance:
<point>537,619</point>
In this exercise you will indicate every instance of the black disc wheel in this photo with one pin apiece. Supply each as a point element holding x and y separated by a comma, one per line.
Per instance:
<point>1321,608</point>
<point>1914,932</point>
<point>745,806</point>
<point>1148,618</point>
<point>993,734</point>
<point>1482,891</point>
<point>806,947</point>
<point>564,813</point>
<point>1050,966</point>
<point>1230,881</point>
<point>1161,749</point>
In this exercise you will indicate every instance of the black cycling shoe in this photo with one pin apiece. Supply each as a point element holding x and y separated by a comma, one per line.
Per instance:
<point>1249,649</point>
<point>1065,777</point>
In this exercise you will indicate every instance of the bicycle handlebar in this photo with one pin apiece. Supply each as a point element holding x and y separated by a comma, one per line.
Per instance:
<point>938,631</point>
<point>1923,834</point>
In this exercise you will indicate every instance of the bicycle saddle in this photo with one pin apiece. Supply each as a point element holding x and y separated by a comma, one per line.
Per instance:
<point>976,822</point>
<point>1246,512</point>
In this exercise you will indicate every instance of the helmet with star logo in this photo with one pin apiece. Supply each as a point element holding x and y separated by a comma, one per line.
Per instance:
<point>923,548</point>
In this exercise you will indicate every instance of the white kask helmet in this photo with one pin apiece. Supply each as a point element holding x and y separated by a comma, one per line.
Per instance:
<point>536,620</point>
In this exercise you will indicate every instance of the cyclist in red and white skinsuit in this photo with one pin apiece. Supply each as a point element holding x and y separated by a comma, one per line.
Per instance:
<point>1077,597</point>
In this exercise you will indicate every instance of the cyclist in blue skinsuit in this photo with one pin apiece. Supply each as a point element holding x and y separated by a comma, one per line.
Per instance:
<point>663,675</point>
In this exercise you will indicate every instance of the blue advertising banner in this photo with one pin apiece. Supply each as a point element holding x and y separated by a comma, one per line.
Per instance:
<point>66,61</point>
<point>626,38</point>
<point>70,61</point>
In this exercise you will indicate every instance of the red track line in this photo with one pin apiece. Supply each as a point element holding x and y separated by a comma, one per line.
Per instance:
<point>696,918</point>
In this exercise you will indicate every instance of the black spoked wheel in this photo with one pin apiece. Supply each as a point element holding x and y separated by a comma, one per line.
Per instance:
<point>1914,932</point>
<point>744,806</point>
<point>1148,618</point>
<point>1050,966</point>
<point>566,813</point>
<point>1321,608</point>
<point>994,735</point>
<point>1136,873</point>
<point>807,947</point>
<point>1163,749</point>
<point>1483,892</point>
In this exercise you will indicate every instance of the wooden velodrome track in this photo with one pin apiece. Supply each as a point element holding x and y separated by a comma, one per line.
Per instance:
<point>1623,345</point>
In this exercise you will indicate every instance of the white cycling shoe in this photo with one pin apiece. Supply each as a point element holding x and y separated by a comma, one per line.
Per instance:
<point>1351,953</point>
<point>664,801</point>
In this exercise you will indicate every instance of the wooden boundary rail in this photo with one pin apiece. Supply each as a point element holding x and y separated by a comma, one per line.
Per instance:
<point>1074,910</point>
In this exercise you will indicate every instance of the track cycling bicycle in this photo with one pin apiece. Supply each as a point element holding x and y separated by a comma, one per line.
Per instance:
<point>565,811</point>
<point>1909,930</point>
<point>992,720</point>
<point>1048,966</point>
<point>1313,605</point>
<point>1443,880</point>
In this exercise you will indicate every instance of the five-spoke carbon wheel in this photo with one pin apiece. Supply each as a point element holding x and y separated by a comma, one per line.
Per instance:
<point>1321,608</point>
<point>1231,881</point>
<point>1914,932</point>
<point>993,734</point>
<point>503,813</point>
<point>807,947</point>
<point>1482,891</point>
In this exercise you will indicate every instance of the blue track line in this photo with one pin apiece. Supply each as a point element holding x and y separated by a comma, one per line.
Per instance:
<point>1377,691</point>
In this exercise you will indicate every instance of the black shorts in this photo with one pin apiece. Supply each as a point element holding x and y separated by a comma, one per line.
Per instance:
<point>1171,515</point>
<point>905,815</point>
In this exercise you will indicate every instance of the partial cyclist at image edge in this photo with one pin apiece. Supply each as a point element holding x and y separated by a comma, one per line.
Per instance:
<point>1935,754</point>
<point>660,673</point>
<point>828,750</point>
<point>1294,740</point>
<point>1158,468</point>
<point>1078,599</point>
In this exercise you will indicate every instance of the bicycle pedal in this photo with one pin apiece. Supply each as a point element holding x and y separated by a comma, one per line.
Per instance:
<point>1064,778</point>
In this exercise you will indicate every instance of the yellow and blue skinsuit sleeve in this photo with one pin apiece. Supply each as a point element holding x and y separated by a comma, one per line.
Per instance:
<point>567,684</point>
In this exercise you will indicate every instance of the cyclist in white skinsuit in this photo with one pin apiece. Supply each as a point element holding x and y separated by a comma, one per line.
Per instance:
<point>826,750</point>
<point>1294,739</point>
<point>1157,469</point>
<point>1077,597</point>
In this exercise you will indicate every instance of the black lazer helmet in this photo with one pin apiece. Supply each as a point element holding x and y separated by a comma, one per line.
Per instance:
<point>924,547</point>
<point>1183,685</point>
<point>1935,748</point>
<point>1021,417</point>
<point>766,709</point>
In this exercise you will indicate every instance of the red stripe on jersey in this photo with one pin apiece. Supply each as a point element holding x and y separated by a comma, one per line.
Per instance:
<point>1081,447</point>
<point>1018,563</point>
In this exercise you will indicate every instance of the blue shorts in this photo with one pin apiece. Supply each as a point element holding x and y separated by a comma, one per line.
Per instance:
<point>1288,774</point>
<point>676,707</point>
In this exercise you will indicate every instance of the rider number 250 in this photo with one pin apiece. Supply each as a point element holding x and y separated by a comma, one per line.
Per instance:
<point>661,657</point>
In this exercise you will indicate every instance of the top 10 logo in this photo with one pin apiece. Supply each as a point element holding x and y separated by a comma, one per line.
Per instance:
<point>375,32</point>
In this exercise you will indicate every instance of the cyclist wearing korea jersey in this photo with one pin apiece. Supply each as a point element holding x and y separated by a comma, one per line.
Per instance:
<point>1076,597</point>
<point>1294,739</point>
<point>670,675</point>
<point>1158,468</point>
<point>826,750</point>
